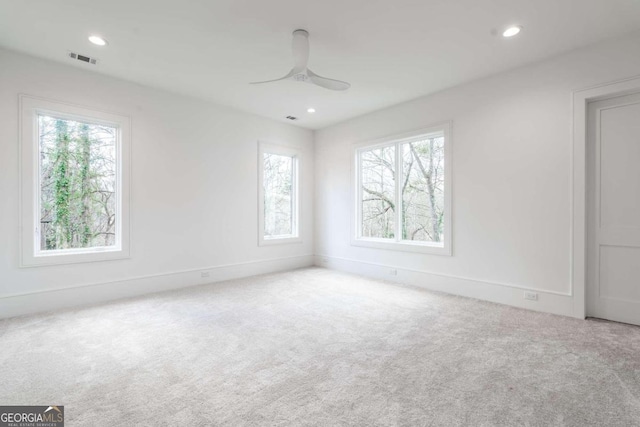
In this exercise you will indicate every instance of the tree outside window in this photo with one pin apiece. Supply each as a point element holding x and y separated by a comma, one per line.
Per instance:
<point>77,184</point>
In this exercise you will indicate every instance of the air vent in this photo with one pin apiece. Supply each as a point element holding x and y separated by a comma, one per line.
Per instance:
<point>83,58</point>
<point>292,118</point>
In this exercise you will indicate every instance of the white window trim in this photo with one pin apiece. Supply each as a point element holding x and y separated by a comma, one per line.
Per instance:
<point>398,245</point>
<point>30,107</point>
<point>295,237</point>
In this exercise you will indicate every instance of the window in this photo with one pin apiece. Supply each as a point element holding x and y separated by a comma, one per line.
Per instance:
<point>74,178</point>
<point>278,194</point>
<point>403,192</point>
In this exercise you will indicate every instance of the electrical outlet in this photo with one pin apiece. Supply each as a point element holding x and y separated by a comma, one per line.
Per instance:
<point>393,272</point>
<point>532,296</point>
<point>204,274</point>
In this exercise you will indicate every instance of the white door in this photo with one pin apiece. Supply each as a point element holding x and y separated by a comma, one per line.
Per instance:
<point>613,197</point>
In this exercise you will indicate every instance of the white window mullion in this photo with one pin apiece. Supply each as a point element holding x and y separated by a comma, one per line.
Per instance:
<point>398,198</point>
<point>358,192</point>
<point>294,196</point>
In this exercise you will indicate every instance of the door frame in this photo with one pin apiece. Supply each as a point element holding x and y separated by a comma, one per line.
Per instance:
<point>581,98</point>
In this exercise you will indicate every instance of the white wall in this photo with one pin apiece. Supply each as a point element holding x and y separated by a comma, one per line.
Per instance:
<point>511,180</point>
<point>194,191</point>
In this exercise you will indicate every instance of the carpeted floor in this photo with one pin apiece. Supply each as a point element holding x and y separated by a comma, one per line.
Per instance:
<point>317,347</point>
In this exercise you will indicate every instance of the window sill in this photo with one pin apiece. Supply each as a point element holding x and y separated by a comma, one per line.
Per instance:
<point>74,257</point>
<point>279,241</point>
<point>424,248</point>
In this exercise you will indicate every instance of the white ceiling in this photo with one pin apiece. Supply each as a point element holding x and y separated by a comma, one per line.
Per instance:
<point>389,50</point>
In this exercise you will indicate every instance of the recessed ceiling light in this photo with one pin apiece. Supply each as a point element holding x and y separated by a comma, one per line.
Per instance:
<point>97,40</point>
<point>512,31</point>
<point>311,110</point>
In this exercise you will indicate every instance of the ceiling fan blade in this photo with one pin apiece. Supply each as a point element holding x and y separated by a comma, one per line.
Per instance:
<point>326,82</point>
<point>300,49</point>
<point>291,73</point>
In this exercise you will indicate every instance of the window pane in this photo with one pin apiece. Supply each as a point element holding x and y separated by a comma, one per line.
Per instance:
<point>279,200</point>
<point>423,190</point>
<point>77,184</point>
<point>378,192</point>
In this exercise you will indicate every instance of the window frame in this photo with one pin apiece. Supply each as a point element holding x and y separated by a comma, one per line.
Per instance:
<point>296,155</point>
<point>30,253</point>
<point>446,248</point>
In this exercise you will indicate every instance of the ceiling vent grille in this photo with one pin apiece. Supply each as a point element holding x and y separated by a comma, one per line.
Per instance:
<point>83,58</point>
<point>292,118</point>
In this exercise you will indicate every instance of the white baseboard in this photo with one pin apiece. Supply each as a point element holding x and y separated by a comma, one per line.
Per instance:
<point>94,293</point>
<point>548,302</point>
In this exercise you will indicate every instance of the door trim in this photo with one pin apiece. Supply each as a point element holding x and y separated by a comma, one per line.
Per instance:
<point>580,99</point>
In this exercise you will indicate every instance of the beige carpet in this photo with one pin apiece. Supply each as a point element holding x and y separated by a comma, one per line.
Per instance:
<point>316,347</point>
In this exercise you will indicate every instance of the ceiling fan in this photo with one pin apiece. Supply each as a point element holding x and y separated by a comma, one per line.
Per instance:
<point>300,72</point>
